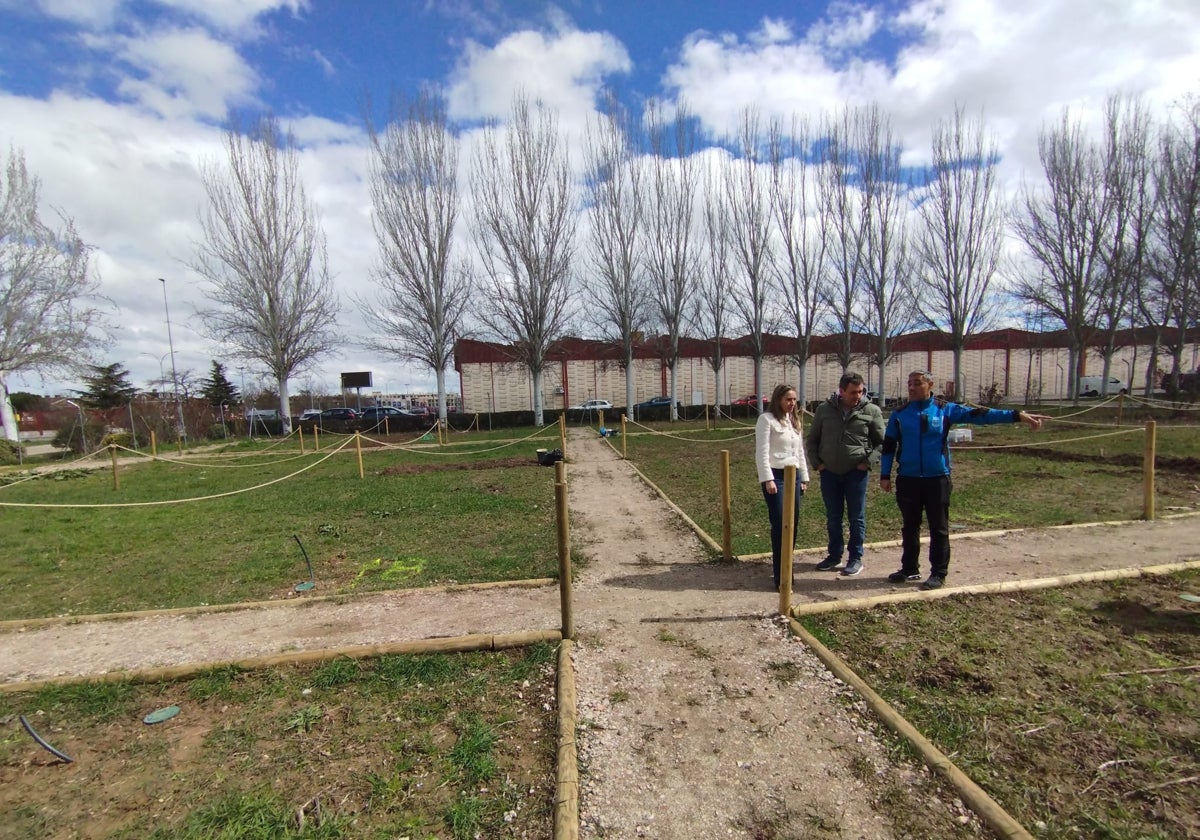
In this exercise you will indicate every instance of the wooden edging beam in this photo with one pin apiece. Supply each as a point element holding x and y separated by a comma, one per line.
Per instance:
<point>30,623</point>
<point>976,798</point>
<point>449,644</point>
<point>566,796</point>
<point>990,588</point>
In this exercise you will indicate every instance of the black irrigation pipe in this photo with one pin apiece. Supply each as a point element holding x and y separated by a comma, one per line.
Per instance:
<point>38,738</point>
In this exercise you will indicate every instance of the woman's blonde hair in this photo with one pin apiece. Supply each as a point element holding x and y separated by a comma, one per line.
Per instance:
<point>775,406</point>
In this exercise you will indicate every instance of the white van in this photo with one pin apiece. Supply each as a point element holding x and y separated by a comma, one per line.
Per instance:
<point>1093,386</point>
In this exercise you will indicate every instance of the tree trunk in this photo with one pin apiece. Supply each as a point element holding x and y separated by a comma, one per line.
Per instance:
<point>7,415</point>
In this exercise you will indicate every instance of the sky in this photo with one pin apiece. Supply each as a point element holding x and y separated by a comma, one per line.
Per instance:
<point>116,104</point>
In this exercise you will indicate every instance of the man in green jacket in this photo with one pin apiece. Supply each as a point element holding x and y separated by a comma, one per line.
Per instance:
<point>845,430</point>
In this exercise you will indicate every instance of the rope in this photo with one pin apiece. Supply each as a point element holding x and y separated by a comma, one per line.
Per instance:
<point>417,451</point>
<point>383,444</point>
<point>1157,403</point>
<point>212,464</point>
<point>180,501</point>
<point>68,465</point>
<point>1049,442</point>
<point>689,440</point>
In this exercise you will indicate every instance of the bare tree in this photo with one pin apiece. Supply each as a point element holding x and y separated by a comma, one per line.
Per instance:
<point>48,315</point>
<point>841,204</point>
<point>1063,225</point>
<point>1127,170</point>
<point>422,295</point>
<point>803,233</point>
<point>710,314</point>
<point>613,180</point>
<point>524,230</point>
<point>962,229</point>
<point>748,202</point>
<point>886,255</point>
<point>1174,277</point>
<point>670,204</point>
<point>264,258</point>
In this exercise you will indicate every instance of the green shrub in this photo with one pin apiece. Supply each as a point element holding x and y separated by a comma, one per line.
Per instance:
<point>117,439</point>
<point>9,451</point>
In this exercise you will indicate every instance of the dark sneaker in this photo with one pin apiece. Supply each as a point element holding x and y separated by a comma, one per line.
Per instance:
<point>828,564</point>
<point>933,582</point>
<point>903,577</point>
<point>853,568</point>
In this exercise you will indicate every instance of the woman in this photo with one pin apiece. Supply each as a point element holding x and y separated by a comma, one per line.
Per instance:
<point>779,443</point>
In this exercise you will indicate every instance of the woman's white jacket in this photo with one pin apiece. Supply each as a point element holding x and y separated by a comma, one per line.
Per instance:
<point>778,444</point>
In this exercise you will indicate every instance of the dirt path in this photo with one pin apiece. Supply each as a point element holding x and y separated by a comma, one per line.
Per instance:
<point>702,718</point>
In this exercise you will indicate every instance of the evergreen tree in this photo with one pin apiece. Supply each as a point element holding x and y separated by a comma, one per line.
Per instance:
<point>108,387</point>
<point>217,388</point>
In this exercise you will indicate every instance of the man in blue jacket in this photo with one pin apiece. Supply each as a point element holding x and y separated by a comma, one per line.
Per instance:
<point>916,441</point>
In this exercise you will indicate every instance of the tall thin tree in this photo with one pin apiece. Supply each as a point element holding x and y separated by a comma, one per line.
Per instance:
<point>748,200</point>
<point>422,295</point>
<point>50,318</point>
<point>613,179</point>
<point>526,209</point>
<point>958,242</point>
<point>1063,223</point>
<point>803,233</point>
<point>263,255</point>
<point>671,193</point>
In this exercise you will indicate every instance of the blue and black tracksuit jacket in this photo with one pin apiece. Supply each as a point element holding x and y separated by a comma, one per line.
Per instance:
<point>917,432</point>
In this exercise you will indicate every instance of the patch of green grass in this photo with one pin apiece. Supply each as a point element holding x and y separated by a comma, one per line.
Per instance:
<point>993,488</point>
<point>1056,722</point>
<point>70,561</point>
<point>248,753</point>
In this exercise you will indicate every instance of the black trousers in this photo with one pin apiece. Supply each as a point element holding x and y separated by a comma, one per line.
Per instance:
<point>931,497</point>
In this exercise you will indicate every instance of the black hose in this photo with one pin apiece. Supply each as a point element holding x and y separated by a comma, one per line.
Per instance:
<point>308,562</point>
<point>38,738</point>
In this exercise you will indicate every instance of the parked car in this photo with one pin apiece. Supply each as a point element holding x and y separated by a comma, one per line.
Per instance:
<point>418,411</point>
<point>377,418</point>
<point>339,420</point>
<point>1092,386</point>
<point>593,405</point>
<point>657,402</point>
<point>310,414</point>
<point>752,400</point>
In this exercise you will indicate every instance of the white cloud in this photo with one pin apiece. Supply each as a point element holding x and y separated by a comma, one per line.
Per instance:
<point>1022,61</point>
<point>181,72</point>
<point>563,70</point>
<point>235,16</point>
<point>98,14</point>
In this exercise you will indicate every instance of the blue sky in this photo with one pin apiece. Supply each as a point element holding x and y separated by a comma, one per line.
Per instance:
<point>116,103</point>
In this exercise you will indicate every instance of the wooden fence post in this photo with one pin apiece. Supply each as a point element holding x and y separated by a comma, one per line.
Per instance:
<point>112,450</point>
<point>564,549</point>
<point>1148,471</point>
<point>789,536</point>
<point>300,432</point>
<point>726,509</point>
<point>358,447</point>
<point>153,445</point>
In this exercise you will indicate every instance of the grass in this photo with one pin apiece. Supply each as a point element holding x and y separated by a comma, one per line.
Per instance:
<point>447,746</point>
<point>413,520</point>
<point>1036,485</point>
<point>1045,698</point>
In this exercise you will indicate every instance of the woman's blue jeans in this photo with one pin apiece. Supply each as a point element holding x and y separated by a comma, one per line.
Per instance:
<point>775,512</point>
<point>845,496</point>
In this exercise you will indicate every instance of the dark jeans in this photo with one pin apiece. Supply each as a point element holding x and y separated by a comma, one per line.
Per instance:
<point>775,512</point>
<point>930,496</point>
<point>845,495</point>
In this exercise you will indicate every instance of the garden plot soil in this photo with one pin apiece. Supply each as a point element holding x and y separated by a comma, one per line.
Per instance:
<point>700,716</point>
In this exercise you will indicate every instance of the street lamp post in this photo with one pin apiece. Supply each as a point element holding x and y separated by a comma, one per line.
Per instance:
<point>174,375</point>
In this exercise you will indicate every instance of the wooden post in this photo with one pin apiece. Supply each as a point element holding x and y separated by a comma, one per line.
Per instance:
<point>564,549</point>
<point>300,432</point>
<point>112,450</point>
<point>601,416</point>
<point>562,433</point>
<point>1148,471</point>
<point>624,448</point>
<point>726,508</point>
<point>317,438</point>
<point>789,535</point>
<point>386,427</point>
<point>706,427</point>
<point>358,448</point>
<point>153,445</point>
<point>1120,407</point>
